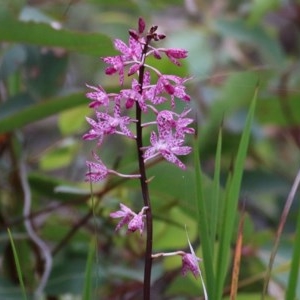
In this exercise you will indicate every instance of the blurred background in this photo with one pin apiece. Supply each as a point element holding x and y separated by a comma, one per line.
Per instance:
<point>50,50</point>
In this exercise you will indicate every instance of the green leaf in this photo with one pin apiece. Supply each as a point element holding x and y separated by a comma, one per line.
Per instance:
<point>10,291</point>
<point>58,157</point>
<point>87,288</point>
<point>213,206</point>
<point>22,110</point>
<point>50,69</point>
<point>18,265</point>
<point>174,186</point>
<point>230,203</point>
<point>67,277</point>
<point>54,188</point>
<point>187,286</point>
<point>44,35</point>
<point>73,120</point>
<point>166,229</point>
<point>236,93</point>
<point>11,60</point>
<point>203,219</point>
<point>293,287</point>
<point>279,111</point>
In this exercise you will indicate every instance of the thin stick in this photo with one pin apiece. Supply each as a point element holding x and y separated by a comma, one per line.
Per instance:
<point>283,218</point>
<point>44,249</point>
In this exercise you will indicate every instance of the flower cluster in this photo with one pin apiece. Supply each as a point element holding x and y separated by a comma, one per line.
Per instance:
<point>169,138</point>
<point>149,89</point>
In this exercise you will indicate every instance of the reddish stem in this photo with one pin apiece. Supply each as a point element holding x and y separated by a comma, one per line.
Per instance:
<point>144,188</point>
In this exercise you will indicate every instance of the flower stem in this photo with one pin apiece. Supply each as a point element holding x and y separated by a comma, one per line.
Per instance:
<point>144,188</point>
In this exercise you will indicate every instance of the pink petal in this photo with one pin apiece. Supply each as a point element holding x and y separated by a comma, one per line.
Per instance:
<point>122,47</point>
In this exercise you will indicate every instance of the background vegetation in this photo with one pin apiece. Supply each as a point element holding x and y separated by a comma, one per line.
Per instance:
<point>50,49</point>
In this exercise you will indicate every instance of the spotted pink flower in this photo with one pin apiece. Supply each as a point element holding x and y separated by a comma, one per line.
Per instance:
<point>99,97</point>
<point>167,147</point>
<point>128,217</point>
<point>190,262</point>
<point>170,124</point>
<point>111,123</point>
<point>131,54</point>
<point>172,85</point>
<point>107,124</point>
<point>137,223</point>
<point>96,171</point>
<point>117,65</point>
<point>133,95</point>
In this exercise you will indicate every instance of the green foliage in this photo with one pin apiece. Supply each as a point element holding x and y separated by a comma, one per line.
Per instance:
<point>87,290</point>
<point>44,35</point>
<point>18,266</point>
<point>21,110</point>
<point>293,286</point>
<point>49,50</point>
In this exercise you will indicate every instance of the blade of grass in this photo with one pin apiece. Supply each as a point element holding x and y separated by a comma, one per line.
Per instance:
<point>203,223</point>
<point>295,265</point>
<point>87,289</point>
<point>214,204</point>
<point>230,203</point>
<point>17,262</point>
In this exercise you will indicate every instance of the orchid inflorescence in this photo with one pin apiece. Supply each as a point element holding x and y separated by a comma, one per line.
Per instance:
<point>171,127</point>
<point>149,89</point>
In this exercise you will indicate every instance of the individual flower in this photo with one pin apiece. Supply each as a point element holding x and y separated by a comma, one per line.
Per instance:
<point>131,54</point>
<point>137,223</point>
<point>170,84</point>
<point>96,132</point>
<point>181,125</point>
<point>107,124</point>
<point>135,95</point>
<point>170,123</point>
<point>97,171</point>
<point>133,220</point>
<point>99,97</point>
<point>190,262</point>
<point>125,213</point>
<point>168,147</point>
<point>117,65</point>
<point>111,123</point>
